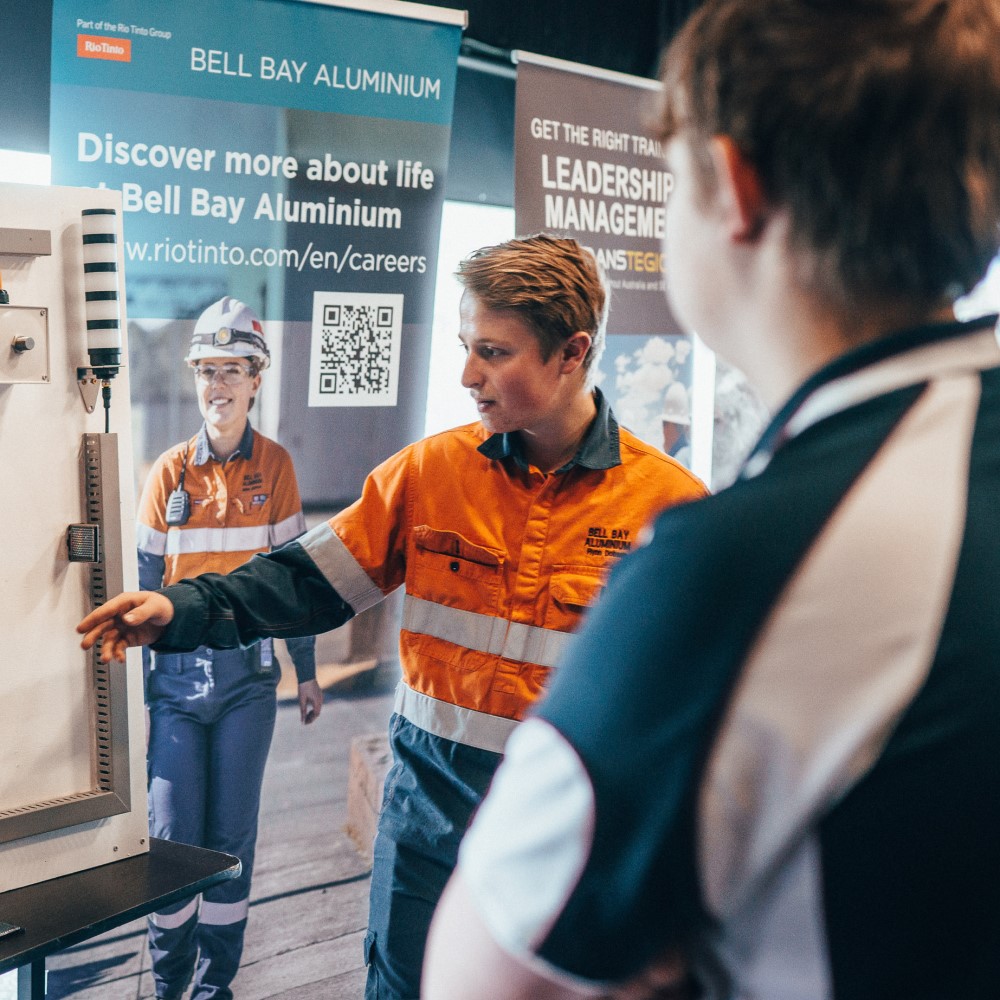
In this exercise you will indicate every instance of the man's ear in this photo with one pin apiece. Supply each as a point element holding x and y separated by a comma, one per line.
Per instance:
<point>739,192</point>
<point>574,351</point>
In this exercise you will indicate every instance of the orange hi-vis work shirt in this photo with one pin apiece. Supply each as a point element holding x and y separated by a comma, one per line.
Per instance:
<point>498,561</point>
<point>245,505</point>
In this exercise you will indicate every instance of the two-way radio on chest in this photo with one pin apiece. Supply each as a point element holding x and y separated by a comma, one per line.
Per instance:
<point>179,502</point>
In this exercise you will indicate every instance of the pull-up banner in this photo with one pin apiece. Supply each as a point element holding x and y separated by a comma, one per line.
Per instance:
<point>586,167</point>
<point>291,154</point>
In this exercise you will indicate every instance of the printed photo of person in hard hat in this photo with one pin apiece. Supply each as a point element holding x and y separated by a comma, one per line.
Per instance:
<point>210,504</point>
<point>676,421</point>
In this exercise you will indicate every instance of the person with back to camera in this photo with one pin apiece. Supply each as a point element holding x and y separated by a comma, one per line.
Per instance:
<point>209,504</point>
<point>784,785</point>
<point>500,531</point>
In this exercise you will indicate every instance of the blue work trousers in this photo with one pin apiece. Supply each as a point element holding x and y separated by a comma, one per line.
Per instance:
<point>430,794</point>
<point>212,717</point>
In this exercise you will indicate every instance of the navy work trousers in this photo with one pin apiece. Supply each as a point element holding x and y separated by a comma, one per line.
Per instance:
<point>430,794</point>
<point>212,717</point>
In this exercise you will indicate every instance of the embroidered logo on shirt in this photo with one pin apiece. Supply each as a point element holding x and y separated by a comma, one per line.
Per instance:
<point>259,499</point>
<point>252,481</point>
<point>608,541</point>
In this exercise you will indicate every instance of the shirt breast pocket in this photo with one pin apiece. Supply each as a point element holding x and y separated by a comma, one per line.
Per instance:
<point>572,589</point>
<point>449,569</point>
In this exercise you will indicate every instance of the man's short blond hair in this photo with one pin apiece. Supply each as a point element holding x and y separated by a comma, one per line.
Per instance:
<point>554,284</point>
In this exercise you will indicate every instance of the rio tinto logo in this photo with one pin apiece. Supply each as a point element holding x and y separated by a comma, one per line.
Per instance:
<point>100,47</point>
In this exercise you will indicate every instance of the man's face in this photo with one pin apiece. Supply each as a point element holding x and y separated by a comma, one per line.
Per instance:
<point>514,389</point>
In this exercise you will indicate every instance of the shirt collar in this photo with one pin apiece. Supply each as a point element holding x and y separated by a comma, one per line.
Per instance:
<point>203,449</point>
<point>908,357</point>
<point>599,450</point>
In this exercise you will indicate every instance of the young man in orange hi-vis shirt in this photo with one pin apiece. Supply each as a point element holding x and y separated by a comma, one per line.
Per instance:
<point>501,533</point>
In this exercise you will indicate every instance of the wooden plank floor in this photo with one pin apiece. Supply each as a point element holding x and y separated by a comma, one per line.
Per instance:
<point>309,903</point>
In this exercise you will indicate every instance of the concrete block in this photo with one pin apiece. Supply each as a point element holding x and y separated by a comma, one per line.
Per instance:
<point>370,760</point>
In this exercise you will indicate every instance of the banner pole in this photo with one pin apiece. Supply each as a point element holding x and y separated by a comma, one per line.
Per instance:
<point>401,8</point>
<point>519,55</point>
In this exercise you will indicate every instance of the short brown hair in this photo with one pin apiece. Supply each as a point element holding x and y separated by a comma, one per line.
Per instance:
<point>875,123</point>
<point>554,284</point>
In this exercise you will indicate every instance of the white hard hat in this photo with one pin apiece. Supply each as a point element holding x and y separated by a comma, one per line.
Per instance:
<point>229,327</point>
<point>675,405</point>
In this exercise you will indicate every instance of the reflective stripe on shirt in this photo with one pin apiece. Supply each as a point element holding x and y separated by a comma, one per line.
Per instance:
<point>253,538</point>
<point>485,633</point>
<point>150,540</point>
<point>187,541</point>
<point>341,570</point>
<point>286,530</point>
<point>450,722</point>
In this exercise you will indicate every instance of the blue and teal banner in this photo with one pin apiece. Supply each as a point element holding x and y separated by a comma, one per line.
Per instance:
<point>293,155</point>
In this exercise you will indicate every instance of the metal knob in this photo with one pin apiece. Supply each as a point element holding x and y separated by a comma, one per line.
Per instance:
<point>22,344</point>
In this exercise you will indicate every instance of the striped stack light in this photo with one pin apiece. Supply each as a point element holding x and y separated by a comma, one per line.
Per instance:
<point>101,285</point>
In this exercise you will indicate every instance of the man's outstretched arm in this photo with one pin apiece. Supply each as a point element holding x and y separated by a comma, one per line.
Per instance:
<point>281,593</point>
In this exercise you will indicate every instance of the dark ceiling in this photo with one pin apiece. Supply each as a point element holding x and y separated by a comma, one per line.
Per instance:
<point>623,35</point>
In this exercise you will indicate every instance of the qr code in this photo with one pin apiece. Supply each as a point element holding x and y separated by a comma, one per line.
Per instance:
<point>355,349</point>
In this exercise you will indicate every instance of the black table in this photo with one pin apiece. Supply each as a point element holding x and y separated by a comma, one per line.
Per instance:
<point>64,911</point>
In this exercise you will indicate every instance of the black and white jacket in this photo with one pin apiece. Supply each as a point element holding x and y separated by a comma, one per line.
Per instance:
<point>776,742</point>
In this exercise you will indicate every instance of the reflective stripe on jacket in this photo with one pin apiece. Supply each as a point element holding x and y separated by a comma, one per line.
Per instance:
<point>498,562</point>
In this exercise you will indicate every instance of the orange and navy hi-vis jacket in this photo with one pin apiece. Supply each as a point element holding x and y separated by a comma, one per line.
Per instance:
<point>498,561</point>
<point>240,507</point>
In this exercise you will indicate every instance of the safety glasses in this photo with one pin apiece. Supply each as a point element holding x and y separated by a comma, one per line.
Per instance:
<point>231,374</point>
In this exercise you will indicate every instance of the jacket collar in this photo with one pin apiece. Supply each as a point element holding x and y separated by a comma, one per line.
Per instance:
<point>909,357</point>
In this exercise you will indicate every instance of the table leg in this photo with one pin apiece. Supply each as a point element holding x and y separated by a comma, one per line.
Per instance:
<point>31,981</point>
